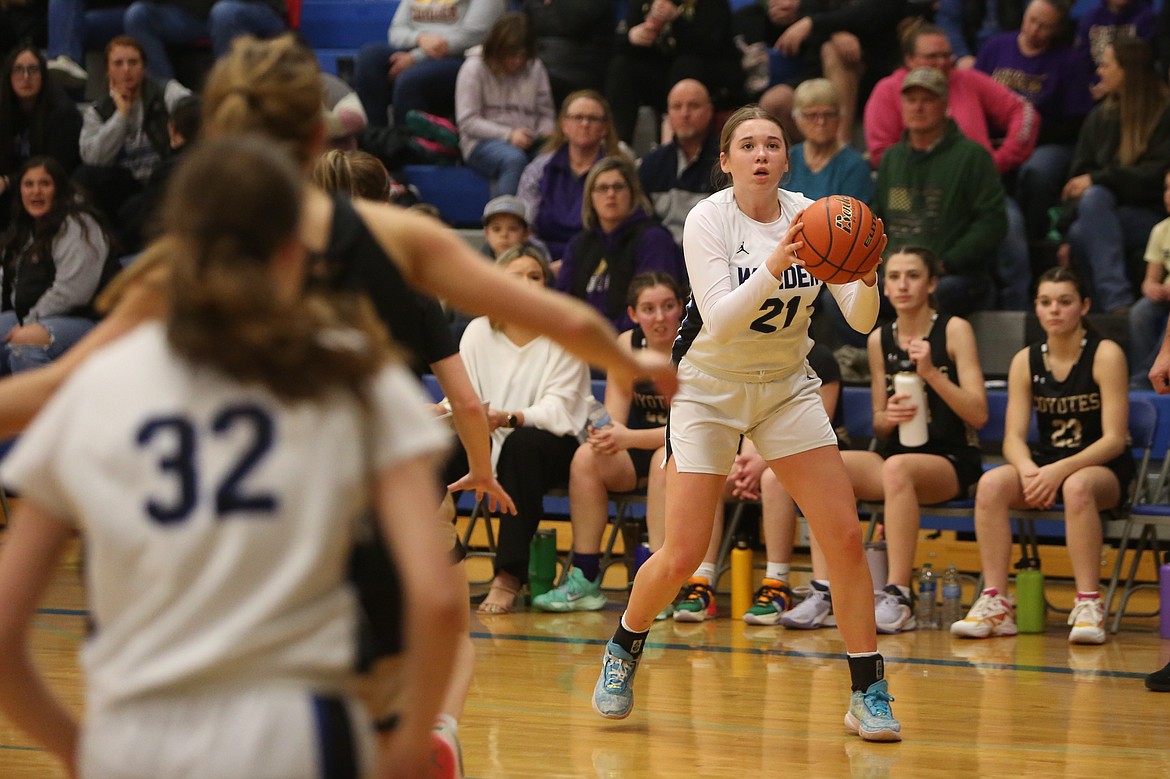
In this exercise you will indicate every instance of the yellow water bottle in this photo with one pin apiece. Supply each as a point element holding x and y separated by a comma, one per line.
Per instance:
<point>741,579</point>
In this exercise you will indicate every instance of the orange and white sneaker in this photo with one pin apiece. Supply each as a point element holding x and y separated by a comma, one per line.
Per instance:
<point>990,615</point>
<point>1088,621</point>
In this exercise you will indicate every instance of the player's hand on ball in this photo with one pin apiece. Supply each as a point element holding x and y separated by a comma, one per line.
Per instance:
<point>784,256</point>
<point>871,278</point>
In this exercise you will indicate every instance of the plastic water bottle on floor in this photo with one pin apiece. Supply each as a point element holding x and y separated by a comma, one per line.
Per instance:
<point>952,598</point>
<point>926,610</point>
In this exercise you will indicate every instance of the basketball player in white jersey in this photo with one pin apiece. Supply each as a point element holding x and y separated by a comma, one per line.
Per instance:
<point>742,369</point>
<point>218,465</point>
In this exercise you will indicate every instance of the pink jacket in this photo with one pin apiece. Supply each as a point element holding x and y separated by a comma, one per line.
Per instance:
<point>977,104</point>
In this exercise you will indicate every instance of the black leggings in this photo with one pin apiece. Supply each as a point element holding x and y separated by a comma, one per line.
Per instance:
<point>531,463</point>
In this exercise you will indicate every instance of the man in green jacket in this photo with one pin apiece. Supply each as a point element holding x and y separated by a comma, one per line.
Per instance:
<point>938,189</point>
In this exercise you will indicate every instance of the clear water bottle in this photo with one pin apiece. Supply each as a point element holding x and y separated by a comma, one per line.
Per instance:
<point>598,415</point>
<point>926,608</point>
<point>952,598</point>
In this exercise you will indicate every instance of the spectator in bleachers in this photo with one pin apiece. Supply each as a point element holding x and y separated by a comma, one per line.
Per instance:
<point>345,117</point>
<point>503,104</point>
<point>418,68</point>
<point>1074,382</point>
<point>124,135</point>
<point>505,224</point>
<point>140,212</point>
<point>621,239</point>
<point>1098,28</point>
<point>537,395</point>
<point>74,27</point>
<point>553,184</point>
<point>858,44</point>
<point>981,108</point>
<point>36,119</point>
<point>662,42</point>
<point>677,175</point>
<point>574,39</point>
<point>916,197</point>
<point>969,24</point>
<point>1114,193</point>
<point>51,256</point>
<point>1037,63</point>
<point>157,24</point>
<point>757,26</point>
<point>1147,317</point>
<point>941,351</point>
<point>623,455</point>
<point>823,164</point>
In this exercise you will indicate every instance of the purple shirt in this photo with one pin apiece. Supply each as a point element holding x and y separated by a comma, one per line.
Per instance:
<point>1056,81</point>
<point>1099,27</point>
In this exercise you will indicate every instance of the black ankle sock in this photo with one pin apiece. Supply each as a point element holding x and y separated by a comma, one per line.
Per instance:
<point>590,564</point>
<point>629,640</point>
<point>865,670</point>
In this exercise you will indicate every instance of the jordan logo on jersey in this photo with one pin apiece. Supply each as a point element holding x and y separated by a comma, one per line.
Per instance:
<point>741,249</point>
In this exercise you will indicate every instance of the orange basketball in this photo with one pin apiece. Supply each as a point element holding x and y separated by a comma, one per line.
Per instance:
<point>842,239</point>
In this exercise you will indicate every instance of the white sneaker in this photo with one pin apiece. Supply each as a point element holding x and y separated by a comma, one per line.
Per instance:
<point>990,615</point>
<point>67,73</point>
<point>813,612</point>
<point>893,612</point>
<point>1088,621</point>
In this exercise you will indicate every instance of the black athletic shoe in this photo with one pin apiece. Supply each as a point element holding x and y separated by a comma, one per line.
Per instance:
<point>1159,681</point>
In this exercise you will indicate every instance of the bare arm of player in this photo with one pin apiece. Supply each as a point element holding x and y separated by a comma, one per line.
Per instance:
<point>617,437</point>
<point>433,609</point>
<point>1018,415</point>
<point>968,396</point>
<point>1160,371</point>
<point>471,426</point>
<point>33,545</point>
<point>440,262</point>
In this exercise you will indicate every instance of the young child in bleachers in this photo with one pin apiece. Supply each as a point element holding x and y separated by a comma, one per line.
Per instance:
<point>1147,317</point>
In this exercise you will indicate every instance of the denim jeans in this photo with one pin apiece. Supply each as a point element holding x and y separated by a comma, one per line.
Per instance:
<point>72,27</point>
<point>1147,327</point>
<point>64,332</point>
<point>1013,266</point>
<point>500,162</point>
<point>1038,185</point>
<point>964,295</point>
<point>156,26</point>
<point>232,18</point>
<point>428,85</point>
<point>1099,240</point>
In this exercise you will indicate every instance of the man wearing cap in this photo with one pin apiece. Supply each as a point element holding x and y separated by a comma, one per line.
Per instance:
<point>980,106</point>
<point>937,188</point>
<point>677,175</point>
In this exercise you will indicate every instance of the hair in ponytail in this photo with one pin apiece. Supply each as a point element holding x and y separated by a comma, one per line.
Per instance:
<point>270,87</point>
<point>226,233</point>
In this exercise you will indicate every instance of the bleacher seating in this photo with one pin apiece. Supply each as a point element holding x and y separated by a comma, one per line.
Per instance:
<point>457,191</point>
<point>336,29</point>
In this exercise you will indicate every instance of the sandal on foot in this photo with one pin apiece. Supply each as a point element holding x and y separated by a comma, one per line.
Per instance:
<point>491,609</point>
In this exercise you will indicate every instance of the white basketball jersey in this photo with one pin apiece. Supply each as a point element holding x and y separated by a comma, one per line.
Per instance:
<point>218,519</point>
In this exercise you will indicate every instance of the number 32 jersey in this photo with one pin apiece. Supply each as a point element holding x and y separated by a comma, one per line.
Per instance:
<point>741,323</point>
<point>218,518</point>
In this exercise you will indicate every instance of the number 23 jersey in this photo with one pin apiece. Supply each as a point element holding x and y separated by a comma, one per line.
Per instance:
<point>741,323</point>
<point>218,518</point>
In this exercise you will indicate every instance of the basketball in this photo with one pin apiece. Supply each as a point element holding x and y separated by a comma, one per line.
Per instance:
<point>842,239</point>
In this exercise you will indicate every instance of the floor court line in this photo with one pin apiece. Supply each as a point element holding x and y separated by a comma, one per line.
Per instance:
<point>714,648</point>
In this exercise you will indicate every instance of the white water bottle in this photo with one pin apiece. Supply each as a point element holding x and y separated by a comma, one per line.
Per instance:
<point>913,431</point>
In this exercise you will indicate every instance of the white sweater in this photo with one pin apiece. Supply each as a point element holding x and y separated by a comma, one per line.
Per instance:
<point>540,379</point>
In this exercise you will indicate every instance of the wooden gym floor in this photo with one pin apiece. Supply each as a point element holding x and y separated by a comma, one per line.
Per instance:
<point>721,699</point>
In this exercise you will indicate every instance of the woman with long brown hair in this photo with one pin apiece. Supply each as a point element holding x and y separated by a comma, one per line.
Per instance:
<point>1121,157</point>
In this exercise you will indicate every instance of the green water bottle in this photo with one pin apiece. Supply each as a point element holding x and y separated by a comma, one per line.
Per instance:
<point>1031,607</point>
<point>542,561</point>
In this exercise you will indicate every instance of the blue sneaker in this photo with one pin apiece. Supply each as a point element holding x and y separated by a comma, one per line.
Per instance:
<point>576,594</point>
<point>613,697</point>
<point>869,714</point>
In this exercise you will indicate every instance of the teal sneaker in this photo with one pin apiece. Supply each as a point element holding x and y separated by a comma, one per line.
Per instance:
<point>870,716</point>
<point>698,602</point>
<point>576,594</point>
<point>771,601</point>
<point>613,697</point>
